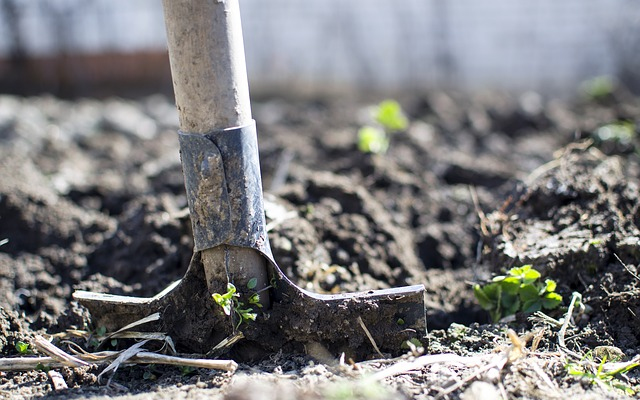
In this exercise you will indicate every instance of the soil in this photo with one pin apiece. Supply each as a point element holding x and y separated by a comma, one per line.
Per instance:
<point>92,197</point>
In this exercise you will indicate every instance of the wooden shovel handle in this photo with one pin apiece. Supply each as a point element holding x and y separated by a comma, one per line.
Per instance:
<point>208,68</point>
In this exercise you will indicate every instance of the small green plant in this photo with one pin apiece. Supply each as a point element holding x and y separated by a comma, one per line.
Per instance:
<point>150,373</point>
<point>621,132</point>
<point>23,348</point>
<point>373,139</point>
<point>598,88</point>
<point>42,367</point>
<point>230,302</point>
<point>388,118</point>
<point>412,342</point>
<point>518,291</point>
<point>94,341</point>
<point>186,370</point>
<point>601,375</point>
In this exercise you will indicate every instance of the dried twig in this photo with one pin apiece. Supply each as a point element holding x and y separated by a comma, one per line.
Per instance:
<point>226,343</point>
<point>366,331</point>
<point>29,363</point>
<point>543,375</point>
<point>66,359</point>
<point>406,366</point>
<point>481,215</point>
<point>537,338</point>
<point>142,357</point>
<point>153,358</point>
<point>627,268</point>
<point>498,363</point>
<point>567,318</point>
<point>122,357</point>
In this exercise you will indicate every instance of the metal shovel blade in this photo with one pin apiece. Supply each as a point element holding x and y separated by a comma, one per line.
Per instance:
<point>350,322</point>
<point>218,145</point>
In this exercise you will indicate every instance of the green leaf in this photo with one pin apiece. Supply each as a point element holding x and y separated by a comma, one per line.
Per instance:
<point>255,300</point>
<point>575,370</point>
<point>249,316</point>
<point>530,276</point>
<point>231,290</point>
<point>217,297</point>
<point>372,140</point>
<point>510,285</point>
<point>510,304</point>
<point>622,132</point>
<point>550,285</point>
<point>496,315</point>
<point>42,367</point>
<point>598,87</point>
<point>551,300</point>
<point>253,282</point>
<point>149,376</point>
<point>187,370</point>
<point>22,347</point>
<point>413,341</point>
<point>529,292</point>
<point>518,271</point>
<point>531,306</point>
<point>493,291</point>
<point>101,331</point>
<point>389,114</point>
<point>484,300</point>
<point>223,301</point>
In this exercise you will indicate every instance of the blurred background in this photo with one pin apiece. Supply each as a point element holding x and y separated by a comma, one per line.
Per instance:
<point>98,48</point>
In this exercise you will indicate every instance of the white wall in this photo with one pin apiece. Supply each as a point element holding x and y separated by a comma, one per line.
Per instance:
<point>547,45</point>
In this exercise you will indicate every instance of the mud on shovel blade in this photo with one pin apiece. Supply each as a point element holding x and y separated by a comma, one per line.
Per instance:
<point>218,145</point>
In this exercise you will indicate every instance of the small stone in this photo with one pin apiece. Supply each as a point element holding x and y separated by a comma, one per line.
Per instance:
<point>481,390</point>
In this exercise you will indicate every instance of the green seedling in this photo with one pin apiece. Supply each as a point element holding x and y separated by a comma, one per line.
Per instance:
<point>598,88</point>
<point>518,291</point>
<point>621,132</point>
<point>253,282</point>
<point>100,332</point>
<point>230,302</point>
<point>186,370</point>
<point>150,373</point>
<point>23,348</point>
<point>373,139</point>
<point>387,118</point>
<point>42,367</point>
<point>413,342</point>
<point>599,374</point>
<point>389,114</point>
<point>226,300</point>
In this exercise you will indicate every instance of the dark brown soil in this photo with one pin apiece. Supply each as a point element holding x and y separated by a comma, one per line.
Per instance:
<point>92,197</point>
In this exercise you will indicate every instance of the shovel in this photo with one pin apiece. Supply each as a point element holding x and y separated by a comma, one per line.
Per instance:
<point>219,153</point>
